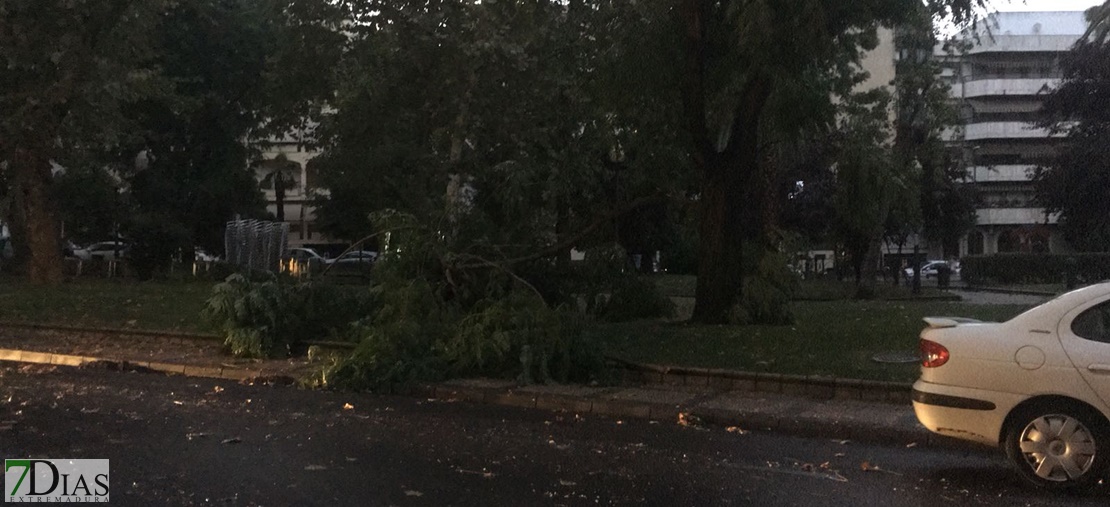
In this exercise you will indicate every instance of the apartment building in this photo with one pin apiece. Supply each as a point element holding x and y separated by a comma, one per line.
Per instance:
<point>1000,83</point>
<point>288,156</point>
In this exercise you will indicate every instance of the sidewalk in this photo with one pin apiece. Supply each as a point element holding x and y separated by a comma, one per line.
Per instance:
<point>842,409</point>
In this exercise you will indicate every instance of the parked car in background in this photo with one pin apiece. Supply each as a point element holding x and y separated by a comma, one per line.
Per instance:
<point>930,268</point>
<point>303,255</point>
<point>366,256</point>
<point>201,255</point>
<point>1037,385</point>
<point>71,249</point>
<point>108,250</point>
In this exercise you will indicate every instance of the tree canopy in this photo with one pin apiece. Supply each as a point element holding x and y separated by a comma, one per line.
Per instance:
<point>517,129</point>
<point>526,125</point>
<point>1075,182</point>
<point>70,66</point>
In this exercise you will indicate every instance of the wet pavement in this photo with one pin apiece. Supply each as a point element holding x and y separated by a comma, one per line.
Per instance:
<point>174,440</point>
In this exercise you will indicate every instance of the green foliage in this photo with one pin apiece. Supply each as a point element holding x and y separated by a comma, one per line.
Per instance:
<point>518,168</point>
<point>268,318</point>
<point>1075,182</point>
<point>519,333</point>
<point>1034,268</point>
<point>613,290</point>
<point>193,135</point>
<point>70,70</point>
<point>90,204</point>
<point>155,239</point>
<point>446,313</point>
<point>680,257</point>
<point>937,201</point>
<point>866,179</point>
<point>397,344</point>
<point>634,298</point>
<point>1098,18</point>
<point>767,292</point>
<point>417,336</point>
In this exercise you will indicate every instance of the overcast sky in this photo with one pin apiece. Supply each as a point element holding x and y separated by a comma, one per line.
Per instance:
<point>1044,5</point>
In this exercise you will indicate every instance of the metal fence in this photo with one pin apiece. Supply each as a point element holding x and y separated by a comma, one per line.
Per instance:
<point>256,244</point>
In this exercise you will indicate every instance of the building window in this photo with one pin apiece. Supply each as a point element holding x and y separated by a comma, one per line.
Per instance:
<point>1024,239</point>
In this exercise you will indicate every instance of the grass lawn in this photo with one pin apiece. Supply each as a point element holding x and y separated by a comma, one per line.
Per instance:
<point>836,338</point>
<point>821,289</point>
<point>162,306</point>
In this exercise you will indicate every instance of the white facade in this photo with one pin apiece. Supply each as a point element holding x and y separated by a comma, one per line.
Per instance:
<point>1000,83</point>
<point>298,211</point>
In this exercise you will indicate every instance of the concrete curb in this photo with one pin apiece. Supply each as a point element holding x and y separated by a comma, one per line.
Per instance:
<point>109,330</point>
<point>864,421</point>
<point>814,386</point>
<point>818,387</point>
<point>203,371</point>
<point>146,333</point>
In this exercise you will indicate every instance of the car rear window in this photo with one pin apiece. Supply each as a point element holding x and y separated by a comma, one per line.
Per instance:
<point>1093,324</point>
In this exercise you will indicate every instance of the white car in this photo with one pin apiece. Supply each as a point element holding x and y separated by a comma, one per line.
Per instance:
<point>108,250</point>
<point>1037,385</point>
<point>929,269</point>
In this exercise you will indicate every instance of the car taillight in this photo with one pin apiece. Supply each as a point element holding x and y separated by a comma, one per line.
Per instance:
<point>933,354</point>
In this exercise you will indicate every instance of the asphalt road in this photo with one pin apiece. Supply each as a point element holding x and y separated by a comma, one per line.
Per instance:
<point>182,441</point>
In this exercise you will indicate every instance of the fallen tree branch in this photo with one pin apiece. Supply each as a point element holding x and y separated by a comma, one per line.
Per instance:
<point>488,263</point>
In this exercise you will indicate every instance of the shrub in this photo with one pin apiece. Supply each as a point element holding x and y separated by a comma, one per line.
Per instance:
<point>520,334</point>
<point>765,298</point>
<point>267,318</point>
<point>634,298</point>
<point>680,257</point>
<point>155,239</point>
<point>1034,268</point>
<point>614,291</point>
<point>397,344</point>
<point>418,336</point>
<point>450,308</point>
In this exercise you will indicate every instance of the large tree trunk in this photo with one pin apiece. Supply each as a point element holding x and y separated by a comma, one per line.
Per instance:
<point>727,219</point>
<point>279,196</point>
<point>14,214</point>
<point>735,206</point>
<point>720,245</point>
<point>867,273</point>
<point>36,217</point>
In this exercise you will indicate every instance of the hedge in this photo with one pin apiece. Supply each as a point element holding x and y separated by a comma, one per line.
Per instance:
<point>1034,268</point>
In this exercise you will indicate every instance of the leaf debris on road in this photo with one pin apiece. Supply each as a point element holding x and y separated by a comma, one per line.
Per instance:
<point>866,466</point>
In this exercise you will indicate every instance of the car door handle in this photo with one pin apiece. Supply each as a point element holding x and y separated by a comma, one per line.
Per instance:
<point>1099,368</point>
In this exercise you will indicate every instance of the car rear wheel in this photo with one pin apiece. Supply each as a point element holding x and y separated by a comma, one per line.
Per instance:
<point>1058,448</point>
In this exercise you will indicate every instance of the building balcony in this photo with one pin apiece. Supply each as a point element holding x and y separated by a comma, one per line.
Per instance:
<point>1001,173</point>
<point>1003,87</point>
<point>1013,216</point>
<point>1002,43</point>
<point>1005,130</point>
